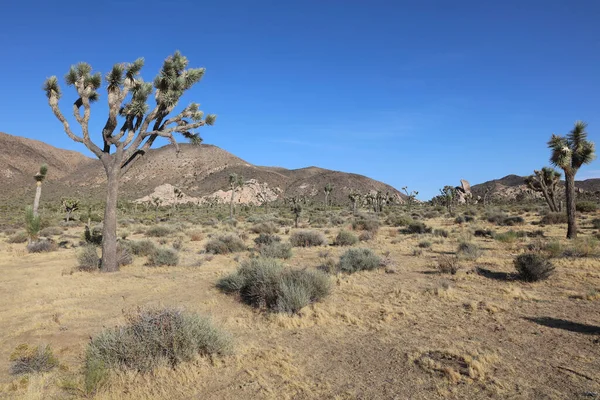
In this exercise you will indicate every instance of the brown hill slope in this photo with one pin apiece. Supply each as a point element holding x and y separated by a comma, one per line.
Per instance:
<point>199,171</point>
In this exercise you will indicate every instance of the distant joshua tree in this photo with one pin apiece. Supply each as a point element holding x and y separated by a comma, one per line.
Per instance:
<point>410,197</point>
<point>235,181</point>
<point>545,181</point>
<point>327,189</point>
<point>69,205</point>
<point>140,125</point>
<point>296,210</point>
<point>355,198</point>
<point>569,153</point>
<point>39,178</point>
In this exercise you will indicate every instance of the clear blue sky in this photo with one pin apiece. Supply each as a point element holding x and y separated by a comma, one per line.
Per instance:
<point>412,93</point>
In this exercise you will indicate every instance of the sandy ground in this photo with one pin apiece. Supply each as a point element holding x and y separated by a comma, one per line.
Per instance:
<point>404,333</point>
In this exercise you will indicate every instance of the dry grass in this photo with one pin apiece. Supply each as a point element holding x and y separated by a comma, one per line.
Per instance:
<point>477,334</point>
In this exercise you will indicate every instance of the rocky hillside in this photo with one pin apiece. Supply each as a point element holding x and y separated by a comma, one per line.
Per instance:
<point>200,172</point>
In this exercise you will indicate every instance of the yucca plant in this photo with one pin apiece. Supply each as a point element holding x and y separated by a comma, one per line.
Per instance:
<point>569,153</point>
<point>39,178</point>
<point>132,125</point>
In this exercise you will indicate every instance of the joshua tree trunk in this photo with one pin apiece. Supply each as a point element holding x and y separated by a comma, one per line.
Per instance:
<point>36,201</point>
<point>231,203</point>
<point>570,195</point>
<point>109,229</point>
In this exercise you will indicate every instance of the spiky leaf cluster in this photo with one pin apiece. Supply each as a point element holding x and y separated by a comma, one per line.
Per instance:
<point>570,152</point>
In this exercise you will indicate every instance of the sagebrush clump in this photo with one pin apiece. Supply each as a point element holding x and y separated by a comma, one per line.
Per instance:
<point>345,238</point>
<point>225,244</point>
<point>307,238</point>
<point>362,259</point>
<point>26,359</point>
<point>533,267</point>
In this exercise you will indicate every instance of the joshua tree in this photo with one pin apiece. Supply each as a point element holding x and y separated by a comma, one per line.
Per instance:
<point>327,189</point>
<point>569,153</point>
<point>70,205</point>
<point>141,125</point>
<point>39,178</point>
<point>296,209</point>
<point>355,198</point>
<point>448,196</point>
<point>410,197</point>
<point>545,181</point>
<point>157,201</point>
<point>235,181</point>
<point>178,194</point>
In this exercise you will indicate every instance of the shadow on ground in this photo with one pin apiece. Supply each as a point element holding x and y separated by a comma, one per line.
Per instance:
<point>496,275</point>
<point>565,325</point>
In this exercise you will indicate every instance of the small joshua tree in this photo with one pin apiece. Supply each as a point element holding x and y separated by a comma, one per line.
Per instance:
<point>327,189</point>
<point>296,210</point>
<point>569,153</point>
<point>140,125</point>
<point>157,202</point>
<point>546,182</point>
<point>410,198</point>
<point>39,178</point>
<point>235,182</point>
<point>355,198</point>
<point>448,196</point>
<point>69,205</point>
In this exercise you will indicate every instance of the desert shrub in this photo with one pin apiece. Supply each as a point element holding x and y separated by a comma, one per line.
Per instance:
<point>440,232</point>
<point>552,218</point>
<point>586,206</point>
<point>266,238</point>
<point>553,249</point>
<point>51,231</point>
<point>398,220</point>
<point>424,244</point>
<point>417,252</point>
<point>336,220</point>
<point>307,238</point>
<point>582,247</point>
<point>502,219</point>
<point>486,233</point>
<point>225,244</point>
<point>354,260</point>
<point>88,259</point>
<point>19,237</point>
<point>430,214</point>
<point>416,227</point>
<point>41,246</point>
<point>276,250</point>
<point>159,231</point>
<point>365,236</point>
<point>195,235</point>
<point>124,256</point>
<point>265,227</point>
<point>596,223</point>
<point>154,336</point>
<point>506,237</point>
<point>163,256</point>
<point>141,248</point>
<point>26,359</point>
<point>533,267</point>
<point>265,283</point>
<point>345,238</point>
<point>448,264</point>
<point>459,220</point>
<point>365,224</point>
<point>469,250</point>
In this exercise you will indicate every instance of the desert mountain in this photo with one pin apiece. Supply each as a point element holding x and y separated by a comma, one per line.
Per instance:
<point>200,172</point>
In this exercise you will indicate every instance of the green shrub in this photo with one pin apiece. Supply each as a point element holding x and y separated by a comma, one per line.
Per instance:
<point>307,238</point>
<point>502,219</point>
<point>140,248</point>
<point>416,227</point>
<point>582,247</point>
<point>163,256</point>
<point>26,359</point>
<point>159,231</point>
<point>266,238</point>
<point>586,206</point>
<point>469,250</point>
<point>459,220</point>
<point>440,232</point>
<point>19,237</point>
<point>398,220</point>
<point>532,267</point>
<point>225,244</point>
<point>553,218</point>
<point>506,237</point>
<point>354,260</point>
<point>276,250</point>
<point>364,224</point>
<point>596,223</point>
<point>345,238</point>
<point>153,336</point>
<point>88,259</point>
<point>265,227</point>
<point>265,283</point>
<point>424,244</point>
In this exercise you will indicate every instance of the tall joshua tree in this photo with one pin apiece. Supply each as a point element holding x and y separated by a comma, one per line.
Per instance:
<point>39,178</point>
<point>235,181</point>
<point>569,153</point>
<point>545,181</point>
<point>327,189</point>
<point>140,125</point>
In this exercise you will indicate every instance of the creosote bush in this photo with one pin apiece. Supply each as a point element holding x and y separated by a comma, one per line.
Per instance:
<point>150,338</point>
<point>225,244</point>
<point>163,256</point>
<point>19,237</point>
<point>276,250</point>
<point>266,238</point>
<point>416,227</point>
<point>140,248</point>
<point>533,267</point>
<point>440,232</point>
<point>553,218</point>
<point>88,259</point>
<point>354,260</point>
<point>586,206</point>
<point>448,264</point>
<point>345,238</point>
<point>159,231</point>
<point>398,220</point>
<point>266,283</point>
<point>265,227</point>
<point>469,250</point>
<point>306,238</point>
<point>365,224</point>
<point>26,359</point>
